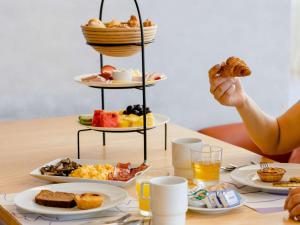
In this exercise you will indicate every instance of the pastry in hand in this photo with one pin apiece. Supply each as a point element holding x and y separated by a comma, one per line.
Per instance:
<point>88,201</point>
<point>233,67</point>
<point>133,21</point>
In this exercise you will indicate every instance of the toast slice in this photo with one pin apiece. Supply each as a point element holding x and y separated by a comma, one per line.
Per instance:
<point>55,199</point>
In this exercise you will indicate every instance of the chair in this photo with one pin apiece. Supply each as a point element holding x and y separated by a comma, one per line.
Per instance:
<point>236,134</point>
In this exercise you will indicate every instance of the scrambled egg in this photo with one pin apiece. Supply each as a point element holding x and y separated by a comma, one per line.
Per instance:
<point>96,172</point>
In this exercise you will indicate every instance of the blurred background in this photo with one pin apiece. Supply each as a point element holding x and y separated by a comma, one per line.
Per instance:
<point>42,49</point>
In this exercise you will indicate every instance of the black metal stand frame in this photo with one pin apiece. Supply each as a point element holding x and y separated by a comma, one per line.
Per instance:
<point>143,88</point>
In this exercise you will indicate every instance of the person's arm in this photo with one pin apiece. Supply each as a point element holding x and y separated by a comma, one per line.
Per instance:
<point>271,135</point>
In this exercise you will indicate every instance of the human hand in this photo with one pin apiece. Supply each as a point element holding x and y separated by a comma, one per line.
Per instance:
<point>292,203</point>
<point>226,90</point>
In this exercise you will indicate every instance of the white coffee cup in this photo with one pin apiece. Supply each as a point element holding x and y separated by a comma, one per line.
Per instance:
<point>168,200</point>
<point>122,75</point>
<point>181,156</point>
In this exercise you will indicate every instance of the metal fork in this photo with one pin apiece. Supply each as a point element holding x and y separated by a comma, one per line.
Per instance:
<point>264,165</point>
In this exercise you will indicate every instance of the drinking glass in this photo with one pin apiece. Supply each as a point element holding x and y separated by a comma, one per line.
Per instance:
<point>206,163</point>
<point>144,202</point>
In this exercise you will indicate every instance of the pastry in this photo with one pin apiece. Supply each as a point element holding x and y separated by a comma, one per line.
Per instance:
<point>233,67</point>
<point>88,201</point>
<point>148,23</point>
<point>113,24</point>
<point>271,174</point>
<point>96,23</point>
<point>133,21</point>
<point>55,199</point>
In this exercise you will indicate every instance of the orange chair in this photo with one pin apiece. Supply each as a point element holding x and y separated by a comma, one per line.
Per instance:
<point>236,134</point>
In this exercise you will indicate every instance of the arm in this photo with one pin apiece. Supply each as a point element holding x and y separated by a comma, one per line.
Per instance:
<point>273,136</point>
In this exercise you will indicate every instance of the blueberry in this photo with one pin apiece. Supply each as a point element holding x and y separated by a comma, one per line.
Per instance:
<point>135,112</point>
<point>129,108</point>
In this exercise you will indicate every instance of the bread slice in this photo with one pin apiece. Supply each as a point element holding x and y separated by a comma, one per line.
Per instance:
<point>55,199</point>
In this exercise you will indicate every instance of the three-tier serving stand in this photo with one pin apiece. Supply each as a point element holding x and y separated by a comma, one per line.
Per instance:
<point>141,87</point>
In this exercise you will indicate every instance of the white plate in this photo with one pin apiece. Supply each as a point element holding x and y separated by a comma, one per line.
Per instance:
<point>60,179</point>
<point>216,210</point>
<point>114,84</point>
<point>159,121</point>
<point>113,196</point>
<point>247,175</point>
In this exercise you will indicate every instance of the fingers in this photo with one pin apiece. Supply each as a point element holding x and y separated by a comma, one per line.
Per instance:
<point>292,193</point>
<point>227,93</point>
<point>216,82</point>
<point>295,212</point>
<point>214,71</point>
<point>225,87</point>
<point>292,201</point>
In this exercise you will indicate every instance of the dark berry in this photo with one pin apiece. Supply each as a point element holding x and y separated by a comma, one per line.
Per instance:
<point>129,108</point>
<point>136,112</point>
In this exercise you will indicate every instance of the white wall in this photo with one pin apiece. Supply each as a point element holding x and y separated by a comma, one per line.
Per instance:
<point>42,49</point>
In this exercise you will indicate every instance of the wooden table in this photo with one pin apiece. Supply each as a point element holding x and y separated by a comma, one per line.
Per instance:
<point>25,145</point>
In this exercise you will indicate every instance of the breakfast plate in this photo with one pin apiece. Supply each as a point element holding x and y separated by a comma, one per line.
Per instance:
<point>112,197</point>
<point>248,176</point>
<point>216,210</point>
<point>114,84</point>
<point>67,179</point>
<point>159,121</point>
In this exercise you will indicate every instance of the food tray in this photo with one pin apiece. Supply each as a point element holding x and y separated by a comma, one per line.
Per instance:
<point>60,179</point>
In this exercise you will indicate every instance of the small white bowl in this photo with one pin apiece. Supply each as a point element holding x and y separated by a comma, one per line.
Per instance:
<point>122,75</point>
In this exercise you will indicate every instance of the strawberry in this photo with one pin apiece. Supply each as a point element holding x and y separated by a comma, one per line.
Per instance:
<point>107,69</point>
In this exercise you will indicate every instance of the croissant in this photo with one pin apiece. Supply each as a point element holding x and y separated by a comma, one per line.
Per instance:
<point>148,23</point>
<point>234,67</point>
<point>133,21</point>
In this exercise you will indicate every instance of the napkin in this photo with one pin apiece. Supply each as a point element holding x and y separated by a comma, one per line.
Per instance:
<point>130,205</point>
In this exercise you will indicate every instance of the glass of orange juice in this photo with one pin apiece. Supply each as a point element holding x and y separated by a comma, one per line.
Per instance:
<point>206,163</point>
<point>144,195</point>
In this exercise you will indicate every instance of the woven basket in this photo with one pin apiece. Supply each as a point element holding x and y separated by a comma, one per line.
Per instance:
<point>117,42</point>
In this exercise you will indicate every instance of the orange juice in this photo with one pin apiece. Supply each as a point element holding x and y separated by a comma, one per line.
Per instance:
<point>144,202</point>
<point>206,171</point>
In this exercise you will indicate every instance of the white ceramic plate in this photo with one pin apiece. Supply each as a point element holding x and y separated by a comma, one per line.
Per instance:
<point>60,179</point>
<point>159,120</point>
<point>113,196</point>
<point>247,176</point>
<point>216,210</point>
<point>114,84</point>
